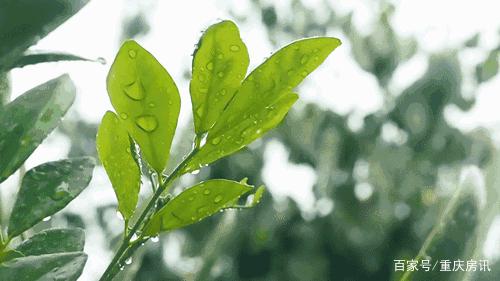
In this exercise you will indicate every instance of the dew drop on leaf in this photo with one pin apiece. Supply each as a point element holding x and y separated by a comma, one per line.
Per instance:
<point>195,172</point>
<point>220,74</point>
<point>217,199</point>
<point>155,239</point>
<point>147,123</point>
<point>203,90</point>
<point>304,59</point>
<point>132,54</point>
<point>128,261</point>
<point>234,48</point>
<point>123,115</point>
<point>206,191</point>
<point>210,66</point>
<point>216,140</point>
<point>151,104</point>
<point>47,218</point>
<point>134,91</point>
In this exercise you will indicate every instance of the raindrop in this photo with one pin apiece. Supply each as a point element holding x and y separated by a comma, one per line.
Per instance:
<point>151,104</point>
<point>220,56</point>
<point>128,261</point>
<point>128,150</point>
<point>123,115</point>
<point>210,66</point>
<point>199,111</point>
<point>155,239</point>
<point>304,59</point>
<point>304,73</point>
<point>220,74</point>
<point>195,172</point>
<point>234,48</point>
<point>101,60</point>
<point>206,191</point>
<point>132,54</point>
<point>47,218</point>
<point>134,237</point>
<point>201,77</point>
<point>203,90</point>
<point>191,198</point>
<point>193,218</point>
<point>217,199</point>
<point>147,122</point>
<point>216,140</point>
<point>222,92</point>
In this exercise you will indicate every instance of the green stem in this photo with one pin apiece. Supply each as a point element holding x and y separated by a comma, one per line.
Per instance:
<point>123,253</point>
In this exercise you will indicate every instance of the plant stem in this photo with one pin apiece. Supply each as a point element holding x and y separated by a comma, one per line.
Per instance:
<point>123,251</point>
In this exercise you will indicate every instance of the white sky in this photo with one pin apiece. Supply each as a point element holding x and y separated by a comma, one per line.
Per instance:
<point>344,87</point>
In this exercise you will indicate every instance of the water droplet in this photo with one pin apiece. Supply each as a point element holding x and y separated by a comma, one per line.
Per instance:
<point>134,91</point>
<point>47,218</point>
<point>132,54</point>
<point>155,239</point>
<point>234,48</point>
<point>199,111</point>
<point>191,198</point>
<point>290,73</point>
<point>123,115</point>
<point>304,73</point>
<point>304,59</point>
<point>147,122</point>
<point>193,218</point>
<point>128,261</point>
<point>61,191</point>
<point>195,172</point>
<point>201,77</point>
<point>220,74</point>
<point>210,66</point>
<point>170,102</point>
<point>222,92</point>
<point>203,90</point>
<point>134,237</point>
<point>216,140</point>
<point>217,199</point>
<point>220,56</point>
<point>206,191</point>
<point>101,60</point>
<point>151,104</point>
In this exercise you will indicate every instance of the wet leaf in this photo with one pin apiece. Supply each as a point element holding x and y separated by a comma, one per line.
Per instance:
<point>147,101</point>
<point>60,266</point>
<point>219,65</point>
<point>53,241</point>
<point>25,22</point>
<point>263,99</point>
<point>197,203</point>
<point>114,147</point>
<point>46,189</point>
<point>28,120</point>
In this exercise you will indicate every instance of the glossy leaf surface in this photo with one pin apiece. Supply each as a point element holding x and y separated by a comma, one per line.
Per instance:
<point>53,241</point>
<point>114,147</point>
<point>28,120</point>
<point>25,22</point>
<point>60,266</point>
<point>147,101</point>
<point>263,99</point>
<point>197,203</point>
<point>219,65</point>
<point>46,189</point>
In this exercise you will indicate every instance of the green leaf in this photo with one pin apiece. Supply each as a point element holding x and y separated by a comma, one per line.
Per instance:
<point>60,266</point>
<point>29,119</point>
<point>25,22</point>
<point>114,149</point>
<point>197,203</point>
<point>44,57</point>
<point>53,241</point>
<point>147,101</point>
<point>489,68</point>
<point>219,65</point>
<point>48,188</point>
<point>4,90</point>
<point>263,99</point>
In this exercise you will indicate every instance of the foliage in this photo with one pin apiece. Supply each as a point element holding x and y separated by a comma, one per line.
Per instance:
<point>54,254</point>
<point>229,110</point>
